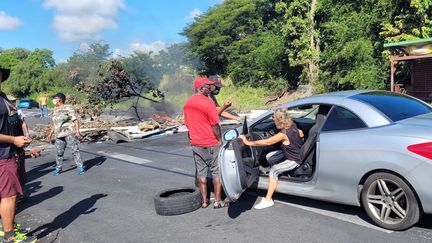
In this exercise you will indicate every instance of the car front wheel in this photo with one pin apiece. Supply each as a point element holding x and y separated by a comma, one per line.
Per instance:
<point>390,202</point>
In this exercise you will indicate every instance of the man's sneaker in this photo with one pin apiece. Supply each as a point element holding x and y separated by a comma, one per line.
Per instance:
<point>17,228</point>
<point>81,171</point>
<point>264,204</point>
<point>22,238</point>
<point>56,172</point>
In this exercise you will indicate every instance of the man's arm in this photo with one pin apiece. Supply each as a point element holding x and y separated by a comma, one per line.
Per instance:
<point>227,103</point>
<point>49,137</point>
<point>223,113</point>
<point>229,116</point>
<point>19,141</point>
<point>25,128</point>
<point>77,127</point>
<point>217,132</point>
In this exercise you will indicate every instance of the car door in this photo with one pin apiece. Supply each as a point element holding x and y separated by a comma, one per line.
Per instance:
<point>238,168</point>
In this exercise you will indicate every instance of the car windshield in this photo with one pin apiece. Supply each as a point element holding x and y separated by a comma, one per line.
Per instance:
<point>395,106</point>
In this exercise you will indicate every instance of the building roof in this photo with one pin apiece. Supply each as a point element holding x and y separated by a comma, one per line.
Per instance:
<point>409,43</point>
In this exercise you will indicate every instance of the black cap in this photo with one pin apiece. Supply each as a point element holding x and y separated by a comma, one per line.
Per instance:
<point>5,74</point>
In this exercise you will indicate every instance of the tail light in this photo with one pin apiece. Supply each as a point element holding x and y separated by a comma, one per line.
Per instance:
<point>422,149</point>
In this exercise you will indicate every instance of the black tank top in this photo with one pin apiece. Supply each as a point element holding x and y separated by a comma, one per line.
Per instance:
<point>292,151</point>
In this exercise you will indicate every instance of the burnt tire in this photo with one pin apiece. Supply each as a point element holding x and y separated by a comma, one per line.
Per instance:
<point>390,202</point>
<point>177,201</point>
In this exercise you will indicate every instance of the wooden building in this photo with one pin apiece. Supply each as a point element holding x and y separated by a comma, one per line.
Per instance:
<point>418,54</point>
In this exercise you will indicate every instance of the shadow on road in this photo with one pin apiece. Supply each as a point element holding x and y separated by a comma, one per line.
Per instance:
<point>39,171</point>
<point>425,222</point>
<point>36,199</point>
<point>243,204</point>
<point>94,162</point>
<point>67,217</point>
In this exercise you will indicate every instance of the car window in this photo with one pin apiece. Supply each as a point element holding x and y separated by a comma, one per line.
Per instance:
<point>342,119</point>
<point>395,106</point>
<point>304,111</point>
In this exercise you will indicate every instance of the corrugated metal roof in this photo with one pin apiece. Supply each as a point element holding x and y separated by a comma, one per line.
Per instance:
<point>409,42</point>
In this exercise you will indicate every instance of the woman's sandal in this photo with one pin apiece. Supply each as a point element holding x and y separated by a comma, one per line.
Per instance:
<point>204,204</point>
<point>220,204</point>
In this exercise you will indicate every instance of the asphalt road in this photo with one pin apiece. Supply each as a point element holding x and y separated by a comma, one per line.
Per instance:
<point>113,202</point>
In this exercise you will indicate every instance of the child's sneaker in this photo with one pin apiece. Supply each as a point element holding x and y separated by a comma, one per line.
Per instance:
<point>56,172</point>
<point>81,170</point>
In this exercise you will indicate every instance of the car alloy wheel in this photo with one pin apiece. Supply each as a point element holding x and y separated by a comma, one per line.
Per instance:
<point>390,202</point>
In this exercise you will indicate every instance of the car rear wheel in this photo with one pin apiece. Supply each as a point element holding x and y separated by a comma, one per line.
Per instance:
<point>390,202</point>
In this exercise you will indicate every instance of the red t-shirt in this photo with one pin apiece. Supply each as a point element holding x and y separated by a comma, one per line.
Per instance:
<point>200,114</point>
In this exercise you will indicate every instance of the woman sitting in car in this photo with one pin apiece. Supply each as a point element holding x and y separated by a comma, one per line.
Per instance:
<point>291,142</point>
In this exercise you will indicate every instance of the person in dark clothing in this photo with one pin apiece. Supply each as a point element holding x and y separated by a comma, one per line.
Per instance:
<point>11,139</point>
<point>291,142</point>
<point>222,110</point>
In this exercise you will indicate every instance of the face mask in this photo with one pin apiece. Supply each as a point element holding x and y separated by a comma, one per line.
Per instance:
<point>216,91</point>
<point>54,101</point>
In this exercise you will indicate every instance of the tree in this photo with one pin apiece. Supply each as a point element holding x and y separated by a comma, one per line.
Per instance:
<point>83,65</point>
<point>115,84</point>
<point>28,76</point>
<point>211,34</point>
<point>301,38</point>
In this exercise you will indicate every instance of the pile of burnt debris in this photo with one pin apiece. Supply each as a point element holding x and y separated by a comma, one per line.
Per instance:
<point>120,130</point>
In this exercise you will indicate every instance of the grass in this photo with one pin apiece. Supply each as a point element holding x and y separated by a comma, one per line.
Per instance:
<point>244,98</point>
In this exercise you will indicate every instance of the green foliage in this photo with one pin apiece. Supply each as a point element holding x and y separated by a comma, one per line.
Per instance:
<point>244,98</point>
<point>29,75</point>
<point>242,40</point>
<point>256,60</point>
<point>408,21</point>
<point>212,33</point>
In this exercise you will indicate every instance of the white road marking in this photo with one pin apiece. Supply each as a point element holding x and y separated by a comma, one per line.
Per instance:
<point>125,157</point>
<point>341,216</point>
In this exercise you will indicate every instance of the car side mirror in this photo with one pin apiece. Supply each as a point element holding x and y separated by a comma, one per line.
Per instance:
<point>231,135</point>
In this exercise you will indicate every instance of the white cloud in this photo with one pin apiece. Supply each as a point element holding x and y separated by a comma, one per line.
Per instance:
<point>154,47</point>
<point>78,20</point>
<point>117,53</point>
<point>84,47</point>
<point>8,22</point>
<point>193,14</point>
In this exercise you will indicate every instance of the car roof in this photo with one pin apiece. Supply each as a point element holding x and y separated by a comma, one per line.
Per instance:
<point>340,98</point>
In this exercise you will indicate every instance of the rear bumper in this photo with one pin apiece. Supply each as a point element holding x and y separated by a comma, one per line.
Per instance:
<point>421,180</point>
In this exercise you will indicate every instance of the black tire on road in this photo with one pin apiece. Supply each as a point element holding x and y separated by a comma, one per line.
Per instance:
<point>177,201</point>
<point>390,202</point>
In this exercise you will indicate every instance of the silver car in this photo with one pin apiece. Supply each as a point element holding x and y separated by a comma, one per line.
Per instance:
<point>371,149</point>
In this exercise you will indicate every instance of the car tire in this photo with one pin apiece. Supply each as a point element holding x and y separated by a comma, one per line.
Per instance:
<point>177,201</point>
<point>390,202</point>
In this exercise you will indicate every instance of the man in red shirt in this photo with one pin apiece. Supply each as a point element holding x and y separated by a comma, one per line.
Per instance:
<point>202,120</point>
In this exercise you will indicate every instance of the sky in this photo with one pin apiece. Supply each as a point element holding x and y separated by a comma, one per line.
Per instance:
<point>67,26</point>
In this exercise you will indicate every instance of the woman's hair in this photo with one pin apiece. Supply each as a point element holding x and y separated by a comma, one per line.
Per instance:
<point>282,119</point>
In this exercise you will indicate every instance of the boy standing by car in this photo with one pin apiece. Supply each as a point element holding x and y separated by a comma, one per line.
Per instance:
<point>202,120</point>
